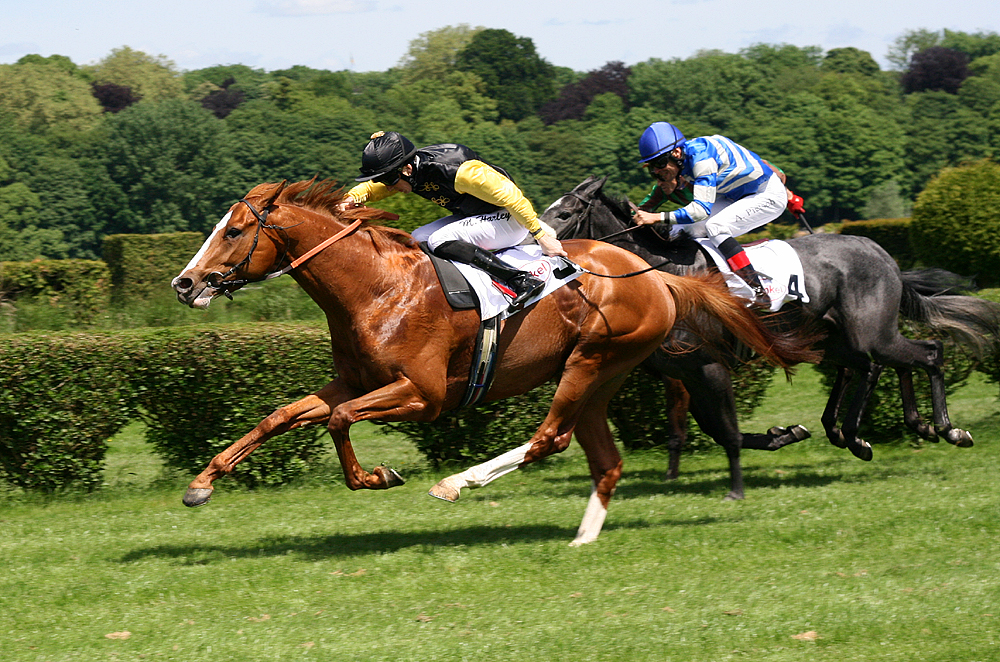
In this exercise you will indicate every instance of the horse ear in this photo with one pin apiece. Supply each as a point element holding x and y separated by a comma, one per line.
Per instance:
<point>271,193</point>
<point>592,185</point>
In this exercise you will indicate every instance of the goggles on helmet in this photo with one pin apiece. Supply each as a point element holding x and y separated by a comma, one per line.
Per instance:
<point>389,178</point>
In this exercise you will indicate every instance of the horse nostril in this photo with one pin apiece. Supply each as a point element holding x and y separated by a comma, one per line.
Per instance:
<point>182,284</point>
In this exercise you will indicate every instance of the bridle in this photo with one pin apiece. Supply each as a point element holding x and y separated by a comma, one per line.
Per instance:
<point>579,225</point>
<point>218,281</point>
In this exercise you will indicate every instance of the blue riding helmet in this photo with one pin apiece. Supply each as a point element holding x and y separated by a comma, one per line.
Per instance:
<point>659,138</point>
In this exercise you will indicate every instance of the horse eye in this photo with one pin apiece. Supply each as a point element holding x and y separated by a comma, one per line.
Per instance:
<point>232,233</point>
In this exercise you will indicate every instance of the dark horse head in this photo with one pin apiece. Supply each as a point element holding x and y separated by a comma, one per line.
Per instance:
<point>587,212</point>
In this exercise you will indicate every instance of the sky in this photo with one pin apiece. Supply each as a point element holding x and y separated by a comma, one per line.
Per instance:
<point>373,35</point>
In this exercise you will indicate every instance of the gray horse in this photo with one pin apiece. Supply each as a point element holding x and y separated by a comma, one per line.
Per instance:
<point>856,296</point>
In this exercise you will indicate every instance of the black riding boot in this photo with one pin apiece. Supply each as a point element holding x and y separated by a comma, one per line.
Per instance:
<point>524,285</point>
<point>750,277</point>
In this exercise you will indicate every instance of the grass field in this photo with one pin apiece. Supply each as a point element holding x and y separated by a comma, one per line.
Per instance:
<point>828,558</point>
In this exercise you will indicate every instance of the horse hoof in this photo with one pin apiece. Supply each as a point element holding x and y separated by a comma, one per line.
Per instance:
<point>445,492</point>
<point>197,496</point>
<point>800,432</point>
<point>389,476</point>
<point>836,438</point>
<point>961,438</point>
<point>862,450</point>
<point>733,496</point>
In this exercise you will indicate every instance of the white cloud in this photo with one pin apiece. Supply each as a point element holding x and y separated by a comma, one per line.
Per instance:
<point>314,7</point>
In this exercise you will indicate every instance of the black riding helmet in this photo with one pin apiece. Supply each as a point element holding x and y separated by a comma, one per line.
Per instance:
<point>385,152</point>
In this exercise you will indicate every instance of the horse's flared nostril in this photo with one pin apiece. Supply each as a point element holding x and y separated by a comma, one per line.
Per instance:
<point>182,285</point>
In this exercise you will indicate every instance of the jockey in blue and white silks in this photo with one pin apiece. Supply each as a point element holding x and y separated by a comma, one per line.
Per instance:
<point>726,190</point>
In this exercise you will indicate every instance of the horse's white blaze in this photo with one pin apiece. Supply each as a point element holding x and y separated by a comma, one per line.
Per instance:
<point>219,227</point>
<point>593,520</point>
<point>554,204</point>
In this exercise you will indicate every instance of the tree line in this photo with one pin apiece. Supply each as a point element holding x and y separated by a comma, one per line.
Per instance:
<point>133,145</point>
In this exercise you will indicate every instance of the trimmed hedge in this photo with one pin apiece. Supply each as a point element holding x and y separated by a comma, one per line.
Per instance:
<point>638,410</point>
<point>892,234</point>
<point>144,264</point>
<point>199,390</point>
<point>61,397</point>
<point>955,222</point>
<point>81,285</point>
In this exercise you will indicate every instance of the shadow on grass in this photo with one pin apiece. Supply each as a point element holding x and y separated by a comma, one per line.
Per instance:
<point>323,547</point>
<point>644,483</point>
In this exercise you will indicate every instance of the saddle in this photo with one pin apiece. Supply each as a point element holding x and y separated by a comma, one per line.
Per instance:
<point>467,288</point>
<point>777,264</point>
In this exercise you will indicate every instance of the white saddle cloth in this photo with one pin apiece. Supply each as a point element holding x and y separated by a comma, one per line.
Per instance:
<point>493,301</point>
<point>779,268</point>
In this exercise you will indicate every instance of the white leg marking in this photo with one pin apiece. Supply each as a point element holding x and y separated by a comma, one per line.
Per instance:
<point>593,520</point>
<point>481,474</point>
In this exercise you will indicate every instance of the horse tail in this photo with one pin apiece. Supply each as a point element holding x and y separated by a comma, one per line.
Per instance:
<point>708,294</point>
<point>932,296</point>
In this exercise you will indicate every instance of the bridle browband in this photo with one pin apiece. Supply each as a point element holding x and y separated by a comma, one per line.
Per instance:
<point>218,281</point>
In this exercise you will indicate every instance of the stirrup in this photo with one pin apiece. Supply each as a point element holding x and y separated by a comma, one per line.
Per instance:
<point>525,287</point>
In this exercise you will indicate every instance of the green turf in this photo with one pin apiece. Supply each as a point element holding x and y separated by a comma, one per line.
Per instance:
<point>828,558</point>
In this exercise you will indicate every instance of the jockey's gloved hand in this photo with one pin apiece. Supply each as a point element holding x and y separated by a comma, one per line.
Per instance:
<point>796,204</point>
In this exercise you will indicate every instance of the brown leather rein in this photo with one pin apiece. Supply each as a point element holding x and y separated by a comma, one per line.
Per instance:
<point>218,281</point>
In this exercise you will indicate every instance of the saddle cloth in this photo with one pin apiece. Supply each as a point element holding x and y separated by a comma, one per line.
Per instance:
<point>776,263</point>
<point>553,271</point>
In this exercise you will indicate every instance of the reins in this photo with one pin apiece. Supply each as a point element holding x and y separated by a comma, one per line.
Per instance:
<point>586,213</point>
<point>219,282</point>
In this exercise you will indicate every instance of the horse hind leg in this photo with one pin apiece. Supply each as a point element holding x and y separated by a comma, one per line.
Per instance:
<point>911,415</point>
<point>583,393</point>
<point>929,354</point>
<point>678,402</point>
<point>942,423</point>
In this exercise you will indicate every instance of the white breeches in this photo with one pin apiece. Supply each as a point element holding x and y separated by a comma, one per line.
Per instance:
<point>490,231</point>
<point>731,218</point>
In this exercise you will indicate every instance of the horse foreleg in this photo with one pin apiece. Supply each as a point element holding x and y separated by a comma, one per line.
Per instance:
<point>775,438</point>
<point>603,458</point>
<point>399,401</point>
<point>713,405</point>
<point>832,410</point>
<point>852,419</point>
<point>678,403</point>
<point>312,409</point>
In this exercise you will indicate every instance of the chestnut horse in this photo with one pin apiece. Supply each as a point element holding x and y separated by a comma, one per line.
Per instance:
<point>403,354</point>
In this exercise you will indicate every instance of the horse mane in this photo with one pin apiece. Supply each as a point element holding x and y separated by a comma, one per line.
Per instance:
<point>325,195</point>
